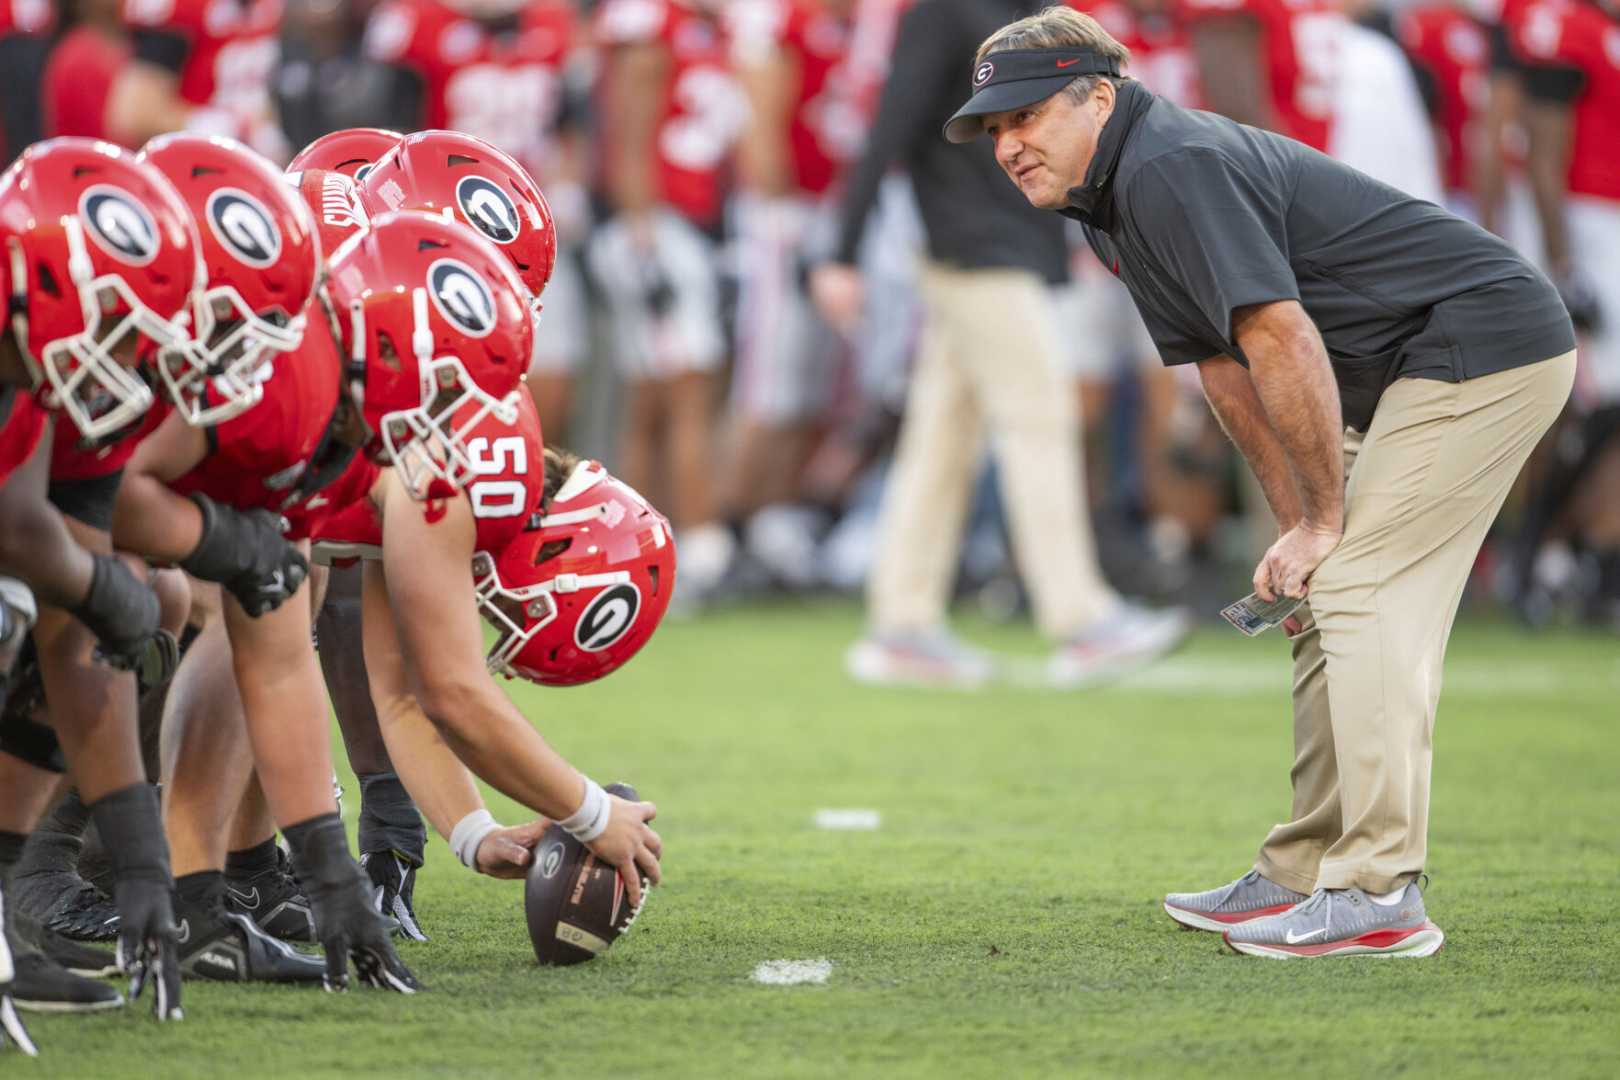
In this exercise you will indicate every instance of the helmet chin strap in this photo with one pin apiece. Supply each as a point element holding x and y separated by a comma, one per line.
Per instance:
<point>17,309</point>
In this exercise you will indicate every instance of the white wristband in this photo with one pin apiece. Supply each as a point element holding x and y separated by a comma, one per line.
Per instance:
<point>469,835</point>
<point>591,819</point>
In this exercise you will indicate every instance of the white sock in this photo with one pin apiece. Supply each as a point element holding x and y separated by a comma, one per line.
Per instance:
<point>1389,899</point>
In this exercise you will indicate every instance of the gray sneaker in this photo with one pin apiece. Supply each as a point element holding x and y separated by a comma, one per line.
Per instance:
<point>1218,910</point>
<point>1342,922</point>
<point>933,659</point>
<point>1129,637</point>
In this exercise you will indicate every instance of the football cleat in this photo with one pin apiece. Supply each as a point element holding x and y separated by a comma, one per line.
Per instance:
<point>234,949</point>
<point>273,901</point>
<point>79,959</point>
<point>393,890</point>
<point>41,985</point>
<point>67,904</point>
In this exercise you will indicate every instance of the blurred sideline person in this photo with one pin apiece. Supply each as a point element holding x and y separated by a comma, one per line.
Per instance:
<point>1572,55</point>
<point>505,72</point>
<point>988,364</point>
<point>1386,369</point>
<point>1450,46</point>
<point>677,112</point>
<point>202,66</point>
<point>27,28</point>
<point>790,55</point>
<point>80,74</point>
<point>1380,126</point>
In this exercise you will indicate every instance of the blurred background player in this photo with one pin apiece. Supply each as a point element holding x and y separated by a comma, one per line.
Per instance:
<point>1571,53</point>
<point>1450,47</point>
<point>26,29</point>
<point>505,71</point>
<point>85,63</point>
<point>677,111</point>
<point>802,129</point>
<point>202,66</point>
<point>1274,64</point>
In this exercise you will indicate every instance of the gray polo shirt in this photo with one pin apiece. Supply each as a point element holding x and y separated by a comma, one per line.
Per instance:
<point>1198,215</point>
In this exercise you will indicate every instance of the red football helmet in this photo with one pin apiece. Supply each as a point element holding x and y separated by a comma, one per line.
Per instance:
<point>432,319</point>
<point>334,200</point>
<point>352,151</point>
<point>99,253</point>
<point>582,588</point>
<point>264,262</point>
<point>446,172</point>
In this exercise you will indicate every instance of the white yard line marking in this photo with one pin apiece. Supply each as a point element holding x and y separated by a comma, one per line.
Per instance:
<point>792,972</point>
<point>848,820</point>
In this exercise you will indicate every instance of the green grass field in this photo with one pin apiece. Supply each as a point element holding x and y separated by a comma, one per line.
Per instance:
<point>1004,920</point>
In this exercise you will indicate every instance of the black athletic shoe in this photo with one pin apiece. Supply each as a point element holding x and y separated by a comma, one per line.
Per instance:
<point>233,949</point>
<point>41,986</point>
<point>64,902</point>
<point>393,887</point>
<point>274,901</point>
<point>84,960</point>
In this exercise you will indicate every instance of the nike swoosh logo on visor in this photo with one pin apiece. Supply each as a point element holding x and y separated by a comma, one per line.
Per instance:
<point>1068,63</point>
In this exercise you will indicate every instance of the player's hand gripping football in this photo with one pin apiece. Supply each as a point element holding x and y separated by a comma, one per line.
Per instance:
<point>507,853</point>
<point>345,923</point>
<point>630,845</point>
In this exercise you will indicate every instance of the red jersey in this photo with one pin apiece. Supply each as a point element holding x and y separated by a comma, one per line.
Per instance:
<point>78,81</point>
<point>704,109</point>
<point>72,460</point>
<point>824,131</point>
<point>1300,46</point>
<point>1161,55</point>
<point>504,86</point>
<point>510,485</point>
<point>231,50</point>
<point>1584,37</point>
<point>22,426</point>
<point>278,454</point>
<point>1453,47</point>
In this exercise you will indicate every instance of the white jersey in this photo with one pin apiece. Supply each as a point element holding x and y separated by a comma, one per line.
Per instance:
<point>1380,125</point>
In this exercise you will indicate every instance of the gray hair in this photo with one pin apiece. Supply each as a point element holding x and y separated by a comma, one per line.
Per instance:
<point>1059,27</point>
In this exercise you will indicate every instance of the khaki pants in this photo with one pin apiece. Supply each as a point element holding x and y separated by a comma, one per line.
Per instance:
<point>988,362</point>
<point>1424,485</point>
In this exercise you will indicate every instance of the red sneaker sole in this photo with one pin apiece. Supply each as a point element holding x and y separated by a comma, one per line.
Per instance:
<point>1425,940</point>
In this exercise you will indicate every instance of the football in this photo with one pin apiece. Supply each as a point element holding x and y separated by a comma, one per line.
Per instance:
<point>575,904</point>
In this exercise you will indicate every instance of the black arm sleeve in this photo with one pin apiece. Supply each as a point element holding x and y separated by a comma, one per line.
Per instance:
<point>922,71</point>
<point>406,100</point>
<point>164,48</point>
<point>1216,233</point>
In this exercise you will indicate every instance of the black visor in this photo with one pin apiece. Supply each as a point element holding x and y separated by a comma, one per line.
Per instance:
<point>1014,78</point>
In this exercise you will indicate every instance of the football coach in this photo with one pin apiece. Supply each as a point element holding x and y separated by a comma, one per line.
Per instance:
<point>1386,369</point>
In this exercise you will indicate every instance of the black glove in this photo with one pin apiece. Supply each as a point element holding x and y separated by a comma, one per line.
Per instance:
<point>131,828</point>
<point>345,924</point>
<point>121,611</point>
<point>244,551</point>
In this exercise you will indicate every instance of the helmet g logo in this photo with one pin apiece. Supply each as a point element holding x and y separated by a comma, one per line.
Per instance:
<point>244,227</point>
<point>608,618</point>
<point>462,297</point>
<point>982,74</point>
<point>119,224</point>
<point>488,209</point>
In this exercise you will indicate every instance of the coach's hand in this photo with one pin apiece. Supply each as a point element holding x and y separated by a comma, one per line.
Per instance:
<point>839,294</point>
<point>507,853</point>
<point>1287,567</point>
<point>630,845</point>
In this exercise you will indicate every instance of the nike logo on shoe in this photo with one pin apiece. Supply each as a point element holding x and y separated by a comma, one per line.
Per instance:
<point>1293,940</point>
<point>249,900</point>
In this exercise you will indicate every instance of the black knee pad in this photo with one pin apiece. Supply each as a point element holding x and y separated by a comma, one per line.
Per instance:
<point>21,736</point>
